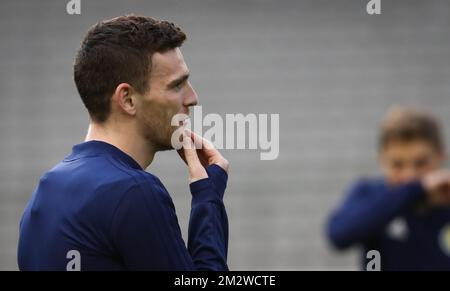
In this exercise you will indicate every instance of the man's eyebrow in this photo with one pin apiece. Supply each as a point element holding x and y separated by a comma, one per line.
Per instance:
<point>178,81</point>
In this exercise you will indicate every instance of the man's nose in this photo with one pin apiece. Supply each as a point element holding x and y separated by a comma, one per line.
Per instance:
<point>191,98</point>
<point>409,174</point>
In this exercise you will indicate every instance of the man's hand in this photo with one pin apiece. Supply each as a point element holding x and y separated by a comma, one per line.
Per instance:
<point>198,153</point>
<point>437,185</point>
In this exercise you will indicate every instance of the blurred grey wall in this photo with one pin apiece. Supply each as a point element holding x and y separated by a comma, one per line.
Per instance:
<point>327,67</point>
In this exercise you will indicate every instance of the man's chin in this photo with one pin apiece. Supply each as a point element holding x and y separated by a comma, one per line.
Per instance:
<point>164,142</point>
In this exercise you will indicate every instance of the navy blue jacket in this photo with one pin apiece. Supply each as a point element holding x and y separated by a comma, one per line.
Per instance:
<point>100,207</point>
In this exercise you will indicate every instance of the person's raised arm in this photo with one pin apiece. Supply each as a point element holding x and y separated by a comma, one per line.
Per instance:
<point>366,211</point>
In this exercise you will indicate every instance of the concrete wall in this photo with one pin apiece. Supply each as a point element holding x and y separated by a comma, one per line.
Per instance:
<point>328,68</point>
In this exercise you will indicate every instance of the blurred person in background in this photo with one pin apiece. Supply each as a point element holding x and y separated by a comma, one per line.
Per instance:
<point>404,215</point>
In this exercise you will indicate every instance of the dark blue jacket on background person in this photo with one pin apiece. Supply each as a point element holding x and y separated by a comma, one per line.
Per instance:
<point>394,221</point>
<point>100,205</point>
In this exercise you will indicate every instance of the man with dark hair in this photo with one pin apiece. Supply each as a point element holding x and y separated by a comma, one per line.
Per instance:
<point>405,216</point>
<point>99,209</point>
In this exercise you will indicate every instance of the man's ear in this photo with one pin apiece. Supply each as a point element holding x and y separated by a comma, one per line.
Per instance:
<point>125,98</point>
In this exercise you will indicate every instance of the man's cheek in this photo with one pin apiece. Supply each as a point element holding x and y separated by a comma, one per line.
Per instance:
<point>171,112</point>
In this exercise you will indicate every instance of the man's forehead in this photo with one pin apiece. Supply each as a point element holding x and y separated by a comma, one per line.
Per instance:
<point>169,63</point>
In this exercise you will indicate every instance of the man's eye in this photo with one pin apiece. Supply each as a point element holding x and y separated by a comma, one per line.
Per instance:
<point>178,86</point>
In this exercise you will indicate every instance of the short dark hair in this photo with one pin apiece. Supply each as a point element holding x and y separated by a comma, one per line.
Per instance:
<point>407,124</point>
<point>117,51</point>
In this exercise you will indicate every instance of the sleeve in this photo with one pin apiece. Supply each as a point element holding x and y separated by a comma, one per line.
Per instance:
<point>147,235</point>
<point>208,225</point>
<point>367,210</point>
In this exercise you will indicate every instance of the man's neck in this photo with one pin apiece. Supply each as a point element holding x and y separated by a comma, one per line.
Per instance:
<point>125,139</point>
